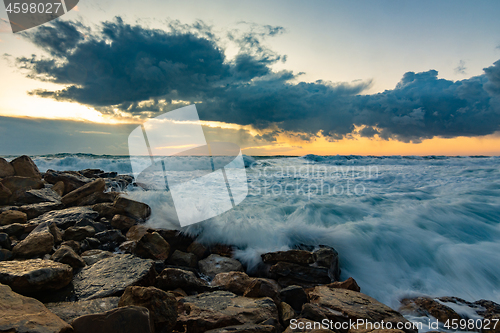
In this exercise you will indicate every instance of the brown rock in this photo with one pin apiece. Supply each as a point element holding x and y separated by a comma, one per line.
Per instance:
<point>40,241</point>
<point>25,167</point>
<point>68,311</point>
<point>424,306</point>
<point>12,216</point>
<point>295,296</point>
<point>198,249</point>
<point>97,197</point>
<point>17,183</point>
<point>66,255</point>
<point>34,275</point>
<point>6,169</point>
<point>235,282</point>
<point>35,210</point>
<point>162,306</point>
<point>96,186</point>
<point>132,208</point>
<point>246,328</point>
<point>179,258</point>
<point>319,313</point>
<point>130,319</point>
<point>58,188</point>
<point>5,194</point>
<point>215,264</point>
<point>122,222</point>
<point>5,255</point>
<point>263,288</point>
<point>303,325</point>
<point>71,180</point>
<point>72,244</point>
<point>173,278</point>
<point>106,210</point>
<point>349,284</point>
<point>128,246</point>
<point>35,196</point>
<point>136,232</point>
<point>92,256</point>
<point>286,313</point>
<point>25,314</point>
<point>300,273</point>
<point>78,233</point>
<point>300,257</point>
<point>327,257</point>
<point>153,246</point>
<point>14,229</point>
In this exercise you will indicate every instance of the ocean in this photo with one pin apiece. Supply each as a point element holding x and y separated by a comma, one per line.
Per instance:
<point>403,226</point>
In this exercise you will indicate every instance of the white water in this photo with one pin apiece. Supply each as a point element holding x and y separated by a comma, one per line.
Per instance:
<point>420,225</point>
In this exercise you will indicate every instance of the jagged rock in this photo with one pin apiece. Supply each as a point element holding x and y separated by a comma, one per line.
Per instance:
<point>68,217</point>
<point>262,288</point>
<point>17,183</point>
<point>176,239</point>
<point>35,210</point>
<point>12,216</point>
<point>122,222</point>
<point>68,311</point>
<point>424,306</point>
<point>303,325</point>
<point>218,309</point>
<point>130,319</point>
<point>247,328</point>
<point>110,239</point>
<point>96,186</point>
<point>286,313</point>
<point>5,241</point>
<point>235,282</point>
<point>22,314</point>
<point>40,241</point>
<point>349,284</point>
<point>25,167</point>
<point>5,194</point>
<point>179,258</point>
<point>58,188</point>
<point>78,233</point>
<point>6,169</point>
<point>162,306</point>
<point>173,278</point>
<point>110,276</point>
<point>300,257</point>
<point>300,274</point>
<point>128,247</point>
<point>132,208</point>
<point>92,256</point>
<point>106,210</point>
<point>98,226</point>
<point>5,255</point>
<point>319,313</point>
<point>215,264</point>
<point>328,257</point>
<point>348,303</point>
<point>136,232</point>
<point>14,229</point>
<point>153,246</point>
<point>35,196</point>
<point>97,197</point>
<point>34,275</point>
<point>198,249</point>
<point>71,180</point>
<point>66,255</point>
<point>295,296</point>
<point>73,245</point>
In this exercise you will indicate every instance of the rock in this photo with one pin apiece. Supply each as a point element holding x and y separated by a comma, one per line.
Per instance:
<point>128,247</point>
<point>14,229</point>
<point>263,288</point>
<point>173,278</point>
<point>425,306</point>
<point>106,210</point>
<point>299,273</point>
<point>319,313</point>
<point>68,217</point>
<point>349,284</point>
<point>235,282</point>
<point>66,255</point>
<point>72,244</point>
<point>5,194</point>
<point>35,196</point>
<point>179,258</point>
<point>98,226</point>
<point>215,264</point>
<point>122,222</point>
<point>247,328</point>
<point>136,232</point>
<point>300,257</point>
<point>12,216</point>
<point>130,319</point>
<point>5,255</point>
<point>5,241</point>
<point>40,241</point>
<point>198,249</point>
<point>152,246</point>
<point>132,208</point>
<point>78,233</point>
<point>295,296</point>
<point>68,311</point>
<point>35,275</point>
<point>58,188</point>
<point>162,306</point>
<point>219,309</point>
<point>176,239</point>
<point>97,197</point>
<point>327,257</point>
<point>16,183</point>
<point>354,305</point>
<point>6,169</point>
<point>110,239</point>
<point>96,186</point>
<point>71,180</point>
<point>89,243</point>
<point>92,256</point>
<point>304,325</point>
<point>110,277</point>
<point>22,314</point>
<point>34,210</point>
<point>286,313</point>
<point>25,167</point>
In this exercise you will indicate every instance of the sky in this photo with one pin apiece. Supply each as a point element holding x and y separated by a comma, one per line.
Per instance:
<point>275,77</point>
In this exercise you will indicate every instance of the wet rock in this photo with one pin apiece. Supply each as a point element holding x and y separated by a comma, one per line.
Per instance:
<point>132,208</point>
<point>25,314</point>
<point>300,274</point>
<point>173,278</point>
<point>34,210</point>
<point>235,282</point>
<point>5,255</point>
<point>5,194</point>
<point>110,276</point>
<point>219,309</point>
<point>327,257</point>
<point>40,241</point>
<point>122,222</point>
<point>176,239</point>
<point>295,296</point>
<point>71,180</point>
<point>247,328</point>
<point>68,217</point>
<point>300,257</point>
<point>106,210</point>
<point>6,169</point>
<point>97,197</point>
<point>14,229</point>
<point>198,249</point>
<point>58,188</point>
<point>262,288</point>
<point>286,313</point>
<point>25,167</point>
<point>5,241</point>
<point>17,183</point>
<point>128,247</point>
<point>162,306</point>
<point>35,196</point>
<point>425,306</point>
<point>12,216</point>
<point>179,258</point>
<point>92,256</point>
<point>136,232</point>
<point>35,275</point>
<point>78,233</point>
<point>215,264</point>
<point>68,311</point>
<point>110,239</point>
<point>349,284</point>
<point>73,245</point>
<point>152,246</point>
<point>98,226</point>
<point>66,255</point>
<point>96,186</point>
<point>130,319</point>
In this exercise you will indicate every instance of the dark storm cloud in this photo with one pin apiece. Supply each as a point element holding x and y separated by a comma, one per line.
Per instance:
<point>141,70</point>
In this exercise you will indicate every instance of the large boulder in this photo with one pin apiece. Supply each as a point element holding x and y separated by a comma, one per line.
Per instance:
<point>162,306</point>
<point>110,276</point>
<point>40,241</point>
<point>235,282</point>
<point>78,233</point>
<point>130,319</point>
<point>97,186</point>
<point>92,256</point>
<point>173,278</point>
<point>295,296</point>
<point>18,183</point>
<point>299,274</point>
<point>5,194</point>
<point>71,180</point>
<point>68,311</point>
<point>179,258</point>
<point>67,255</point>
<point>293,256</point>
<point>12,216</point>
<point>34,210</point>
<point>425,306</point>
<point>219,309</point>
<point>132,208</point>
<point>20,314</point>
<point>263,288</point>
<point>328,257</point>
<point>35,275</point>
<point>25,167</point>
<point>68,217</point>
<point>6,169</point>
<point>122,222</point>
<point>153,246</point>
<point>35,196</point>
<point>215,264</point>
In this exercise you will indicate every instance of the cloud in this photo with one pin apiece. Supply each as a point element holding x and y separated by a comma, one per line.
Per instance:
<point>460,69</point>
<point>143,71</point>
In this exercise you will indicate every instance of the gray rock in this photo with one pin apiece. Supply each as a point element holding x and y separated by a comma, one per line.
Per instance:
<point>36,196</point>
<point>299,274</point>
<point>66,255</point>
<point>68,311</point>
<point>215,264</point>
<point>78,233</point>
<point>300,257</point>
<point>328,257</point>
<point>173,278</point>
<point>92,256</point>
<point>179,258</point>
<point>35,210</point>
<point>295,296</point>
<point>68,217</point>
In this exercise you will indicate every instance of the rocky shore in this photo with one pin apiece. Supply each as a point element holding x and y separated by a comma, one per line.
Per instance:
<point>75,256</point>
